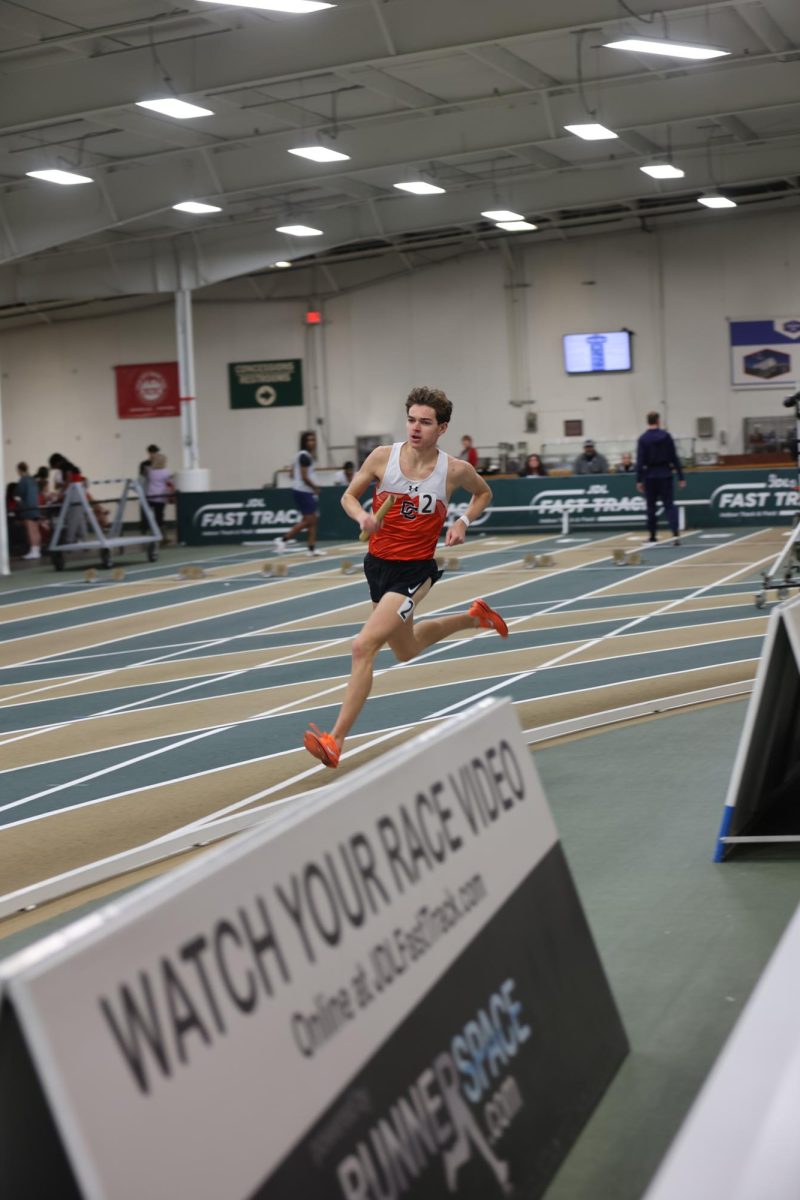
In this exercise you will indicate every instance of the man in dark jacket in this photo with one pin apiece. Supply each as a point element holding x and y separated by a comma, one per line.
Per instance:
<point>656,459</point>
<point>590,462</point>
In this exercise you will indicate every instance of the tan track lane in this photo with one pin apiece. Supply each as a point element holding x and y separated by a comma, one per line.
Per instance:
<point>38,646</point>
<point>186,668</point>
<point>548,710</point>
<point>82,835</point>
<point>187,715</point>
<point>173,671</point>
<point>79,836</point>
<point>101,593</point>
<point>35,849</point>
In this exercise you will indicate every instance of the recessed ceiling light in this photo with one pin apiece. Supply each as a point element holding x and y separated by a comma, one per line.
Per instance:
<point>591,132</point>
<point>663,171</point>
<point>170,107</point>
<point>282,263</point>
<point>516,226</point>
<point>319,154</point>
<point>64,177</point>
<point>195,206</point>
<point>716,201</point>
<point>667,48</point>
<point>502,214</point>
<point>287,6</point>
<point>419,188</point>
<point>299,230</point>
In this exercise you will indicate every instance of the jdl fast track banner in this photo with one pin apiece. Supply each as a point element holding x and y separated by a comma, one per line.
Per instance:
<point>710,498</point>
<point>389,991</point>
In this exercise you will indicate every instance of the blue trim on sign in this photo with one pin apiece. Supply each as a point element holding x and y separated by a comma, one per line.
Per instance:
<point>751,333</point>
<point>727,817</point>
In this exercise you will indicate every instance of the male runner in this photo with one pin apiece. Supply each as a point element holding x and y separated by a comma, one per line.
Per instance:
<point>400,566</point>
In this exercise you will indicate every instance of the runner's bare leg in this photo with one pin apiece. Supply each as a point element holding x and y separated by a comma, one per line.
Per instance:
<point>387,627</point>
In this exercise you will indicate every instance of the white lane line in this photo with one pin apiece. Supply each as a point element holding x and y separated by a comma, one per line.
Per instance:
<point>375,737</point>
<point>223,675</point>
<point>30,733</point>
<point>156,573</point>
<point>299,650</point>
<point>303,704</point>
<point>621,629</point>
<point>311,700</point>
<point>265,603</point>
<point>209,732</point>
<point>384,735</point>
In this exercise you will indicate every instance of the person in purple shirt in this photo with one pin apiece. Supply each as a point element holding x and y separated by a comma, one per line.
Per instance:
<point>656,459</point>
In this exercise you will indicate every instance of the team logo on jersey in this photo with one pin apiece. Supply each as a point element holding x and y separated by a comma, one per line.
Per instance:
<point>408,510</point>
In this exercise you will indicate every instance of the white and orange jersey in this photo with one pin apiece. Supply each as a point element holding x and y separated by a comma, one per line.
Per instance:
<point>411,528</point>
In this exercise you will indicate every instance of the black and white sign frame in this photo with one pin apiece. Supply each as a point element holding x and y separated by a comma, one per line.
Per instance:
<point>391,989</point>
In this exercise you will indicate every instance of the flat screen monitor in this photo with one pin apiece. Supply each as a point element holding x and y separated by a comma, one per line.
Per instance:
<point>593,353</point>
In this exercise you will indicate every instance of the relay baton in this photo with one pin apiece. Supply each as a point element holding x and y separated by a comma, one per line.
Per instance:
<point>379,515</point>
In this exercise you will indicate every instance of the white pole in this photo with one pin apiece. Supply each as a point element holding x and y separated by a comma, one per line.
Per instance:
<point>5,568</point>
<point>185,339</point>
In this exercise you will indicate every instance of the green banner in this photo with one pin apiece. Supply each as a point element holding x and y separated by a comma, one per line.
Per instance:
<point>266,384</point>
<point>710,499</point>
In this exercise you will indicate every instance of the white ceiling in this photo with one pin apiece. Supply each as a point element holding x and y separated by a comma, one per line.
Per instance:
<point>472,93</point>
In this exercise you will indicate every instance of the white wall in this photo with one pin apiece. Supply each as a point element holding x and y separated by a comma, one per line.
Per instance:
<point>446,326</point>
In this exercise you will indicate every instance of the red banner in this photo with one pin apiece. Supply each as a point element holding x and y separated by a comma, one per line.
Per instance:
<point>148,390</point>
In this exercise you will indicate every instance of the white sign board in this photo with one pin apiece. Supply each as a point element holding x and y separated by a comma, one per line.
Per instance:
<point>740,1140</point>
<point>353,989</point>
<point>761,803</point>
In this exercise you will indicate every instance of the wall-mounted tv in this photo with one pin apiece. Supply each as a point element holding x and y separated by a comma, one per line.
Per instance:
<point>593,353</point>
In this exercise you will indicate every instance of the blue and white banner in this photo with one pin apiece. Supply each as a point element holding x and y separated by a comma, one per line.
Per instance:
<point>765,353</point>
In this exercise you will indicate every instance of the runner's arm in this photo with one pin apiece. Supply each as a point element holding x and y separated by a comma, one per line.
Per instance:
<point>371,470</point>
<point>462,475</point>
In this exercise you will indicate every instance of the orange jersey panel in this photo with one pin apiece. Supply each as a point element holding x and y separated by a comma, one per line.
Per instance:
<point>410,529</point>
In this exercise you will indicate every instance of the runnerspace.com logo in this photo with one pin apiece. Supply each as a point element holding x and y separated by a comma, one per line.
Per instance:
<point>435,1119</point>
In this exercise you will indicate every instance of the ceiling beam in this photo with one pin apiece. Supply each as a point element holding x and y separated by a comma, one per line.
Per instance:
<point>386,85</point>
<point>235,59</point>
<point>506,63</point>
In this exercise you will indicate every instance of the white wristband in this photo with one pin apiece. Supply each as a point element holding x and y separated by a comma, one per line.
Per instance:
<point>463,517</point>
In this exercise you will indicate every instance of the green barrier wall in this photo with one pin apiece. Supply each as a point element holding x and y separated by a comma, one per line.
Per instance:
<point>710,498</point>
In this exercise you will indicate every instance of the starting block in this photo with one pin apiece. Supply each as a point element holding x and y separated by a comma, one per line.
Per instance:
<point>452,564</point>
<point>530,561</point>
<point>347,567</point>
<point>91,575</point>
<point>618,557</point>
<point>634,558</point>
<point>118,575</point>
<point>280,570</point>
<point>190,572</point>
<point>546,560</point>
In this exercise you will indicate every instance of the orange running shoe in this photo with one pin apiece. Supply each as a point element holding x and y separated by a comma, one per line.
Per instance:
<point>488,618</point>
<point>322,746</point>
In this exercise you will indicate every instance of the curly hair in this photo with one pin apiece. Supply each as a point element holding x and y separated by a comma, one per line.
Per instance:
<point>433,398</point>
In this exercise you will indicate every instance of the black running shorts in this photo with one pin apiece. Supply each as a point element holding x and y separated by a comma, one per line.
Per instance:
<point>398,575</point>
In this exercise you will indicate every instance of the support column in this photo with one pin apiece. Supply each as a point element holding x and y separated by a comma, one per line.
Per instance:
<point>192,478</point>
<point>519,334</point>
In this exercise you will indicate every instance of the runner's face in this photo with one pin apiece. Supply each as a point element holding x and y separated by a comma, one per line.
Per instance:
<point>422,427</point>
